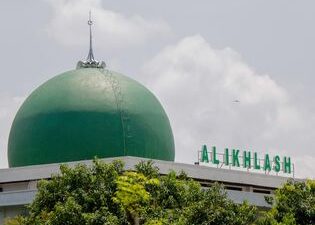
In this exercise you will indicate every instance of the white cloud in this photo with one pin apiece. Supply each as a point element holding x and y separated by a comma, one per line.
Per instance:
<point>198,86</point>
<point>113,29</point>
<point>8,108</point>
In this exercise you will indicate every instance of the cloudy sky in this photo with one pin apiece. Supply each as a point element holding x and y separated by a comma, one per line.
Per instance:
<point>198,57</point>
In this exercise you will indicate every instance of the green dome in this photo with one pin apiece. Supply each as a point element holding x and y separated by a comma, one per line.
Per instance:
<point>89,112</point>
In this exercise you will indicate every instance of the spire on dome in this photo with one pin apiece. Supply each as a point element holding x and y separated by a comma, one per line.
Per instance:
<point>90,57</point>
<point>90,62</point>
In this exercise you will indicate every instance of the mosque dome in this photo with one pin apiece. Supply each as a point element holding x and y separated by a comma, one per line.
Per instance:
<point>89,112</point>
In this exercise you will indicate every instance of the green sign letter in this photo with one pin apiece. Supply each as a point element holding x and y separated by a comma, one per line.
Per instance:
<point>256,162</point>
<point>287,164</point>
<point>214,156</point>
<point>267,163</point>
<point>235,160</point>
<point>277,163</point>
<point>204,154</point>
<point>226,157</point>
<point>246,159</point>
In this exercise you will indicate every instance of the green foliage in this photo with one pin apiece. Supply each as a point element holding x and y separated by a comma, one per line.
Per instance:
<point>293,204</point>
<point>14,221</point>
<point>214,208</point>
<point>147,168</point>
<point>79,195</point>
<point>104,194</point>
<point>132,194</point>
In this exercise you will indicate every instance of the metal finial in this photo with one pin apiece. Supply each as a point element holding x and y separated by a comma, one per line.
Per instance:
<point>90,57</point>
<point>90,61</point>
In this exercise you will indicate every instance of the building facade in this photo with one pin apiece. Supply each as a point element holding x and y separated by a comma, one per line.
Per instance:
<point>18,185</point>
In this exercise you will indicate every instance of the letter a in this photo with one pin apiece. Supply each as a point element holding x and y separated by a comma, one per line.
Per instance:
<point>204,154</point>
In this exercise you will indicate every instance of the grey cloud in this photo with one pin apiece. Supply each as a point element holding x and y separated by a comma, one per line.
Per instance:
<point>114,30</point>
<point>199,85</point>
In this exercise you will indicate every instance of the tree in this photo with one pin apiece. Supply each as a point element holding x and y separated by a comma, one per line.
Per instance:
<point>79,195</point>
<point>105,194</point>
<point>293,204</point>
<point>133,195</point>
